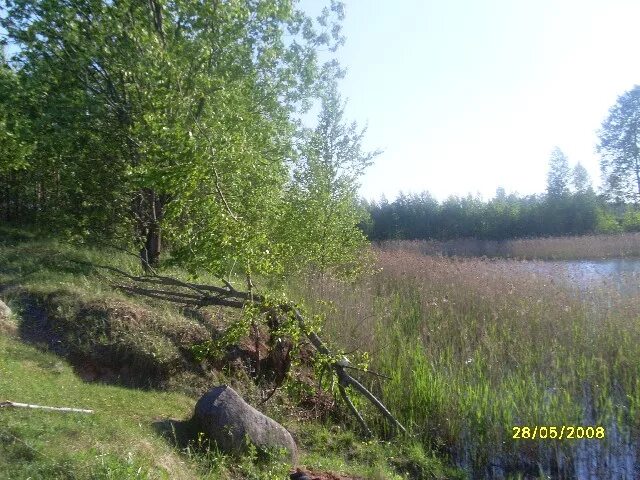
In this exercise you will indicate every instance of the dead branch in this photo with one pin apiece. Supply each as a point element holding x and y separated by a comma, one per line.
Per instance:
<point>354,410</point>
<point>41,407</point>
<point>344,378</point>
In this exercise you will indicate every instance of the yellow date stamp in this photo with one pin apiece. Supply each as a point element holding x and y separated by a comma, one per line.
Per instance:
<point>559,432</point>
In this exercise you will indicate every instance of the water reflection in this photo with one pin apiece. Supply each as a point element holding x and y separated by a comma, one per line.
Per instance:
<point>603,285</point>
<point>622,275</point>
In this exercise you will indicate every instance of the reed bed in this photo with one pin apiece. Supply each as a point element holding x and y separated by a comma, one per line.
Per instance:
<point>475,347</point>
<point>625,245</point>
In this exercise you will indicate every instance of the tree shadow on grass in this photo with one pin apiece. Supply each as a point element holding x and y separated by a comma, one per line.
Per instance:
<point>21,264</point>
<point>35,328</point>
<point>181,434</point>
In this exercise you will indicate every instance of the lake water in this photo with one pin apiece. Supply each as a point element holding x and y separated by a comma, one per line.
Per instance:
<point>621,275</point>
<point>595,269</point>
<point>618,456</point>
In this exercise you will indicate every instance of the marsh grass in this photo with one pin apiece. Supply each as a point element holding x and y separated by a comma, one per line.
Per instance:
<point>476,346</point>
<point>625,245</point>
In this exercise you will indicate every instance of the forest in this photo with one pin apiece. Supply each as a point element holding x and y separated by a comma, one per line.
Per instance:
<point>570,206</point>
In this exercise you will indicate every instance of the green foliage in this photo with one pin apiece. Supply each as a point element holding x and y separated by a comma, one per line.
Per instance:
<point>180,120</point>
<point>420,216</point>
<point>606,222</point>
<point>322,209</point>
<point>558,177</point>
<point>631,221</point>
<point>13,150</point>
<point>619,148</point>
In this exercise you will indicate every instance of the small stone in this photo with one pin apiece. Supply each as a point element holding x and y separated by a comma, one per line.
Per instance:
<point>5,311</point>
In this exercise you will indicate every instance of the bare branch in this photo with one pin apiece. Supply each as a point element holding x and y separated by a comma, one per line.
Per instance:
<point>354,410</point>
<point>41,407</point>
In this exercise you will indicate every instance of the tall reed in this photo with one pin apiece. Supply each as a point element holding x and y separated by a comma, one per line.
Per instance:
<point>551,248</point>
<point>475,347</point>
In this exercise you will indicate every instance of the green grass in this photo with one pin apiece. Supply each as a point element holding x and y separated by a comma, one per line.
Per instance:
<point>118,441</point>
<point>123,440</point>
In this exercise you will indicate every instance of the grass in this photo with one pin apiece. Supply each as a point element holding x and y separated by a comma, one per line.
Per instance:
<point>123,440</point>
<point>476,346</point>
<point>75,341</point>
<point>626,245</point>
<point>117,442</point>
<point>73,308</point>
<point>335,448</point>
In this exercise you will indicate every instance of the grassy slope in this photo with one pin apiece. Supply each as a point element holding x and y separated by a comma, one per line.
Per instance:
<point>119,441</point>
<point>123,439</point>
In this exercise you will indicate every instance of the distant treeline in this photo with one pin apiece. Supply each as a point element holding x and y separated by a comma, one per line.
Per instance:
<point>421,216</point>
<point>569,206</point>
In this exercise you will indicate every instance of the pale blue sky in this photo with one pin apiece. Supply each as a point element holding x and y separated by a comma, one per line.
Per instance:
<point>465,96</point>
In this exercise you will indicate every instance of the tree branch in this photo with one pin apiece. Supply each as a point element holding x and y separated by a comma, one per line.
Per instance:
<point>41,407</point>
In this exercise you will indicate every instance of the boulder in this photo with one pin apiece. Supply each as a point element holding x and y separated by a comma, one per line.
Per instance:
<point>231,422</point>
<point>5,311</point>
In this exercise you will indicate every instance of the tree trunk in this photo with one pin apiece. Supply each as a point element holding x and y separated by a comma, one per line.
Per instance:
<point>149,213</point>
<point>150,252</point>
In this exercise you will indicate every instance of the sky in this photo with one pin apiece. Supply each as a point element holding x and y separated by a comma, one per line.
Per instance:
<point>465,96</point>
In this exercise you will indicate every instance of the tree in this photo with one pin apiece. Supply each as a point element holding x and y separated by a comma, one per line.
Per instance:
<point>558,176</point>
<point>176,118</point>
<point>323,210</point>
<point>619,147</point>
<point>580,179</point>
<point>13,149</point>
<point>182,118</point>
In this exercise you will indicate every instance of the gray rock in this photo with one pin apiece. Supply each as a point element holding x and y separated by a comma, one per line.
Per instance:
<point>230,421</point>
<point>5,311</point>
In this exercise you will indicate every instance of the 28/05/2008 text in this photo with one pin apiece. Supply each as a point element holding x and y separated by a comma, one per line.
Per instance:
<point>564,432</point>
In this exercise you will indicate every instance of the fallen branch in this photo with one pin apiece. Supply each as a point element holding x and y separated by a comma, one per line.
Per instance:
<point>41,407</point>
<point>354,410</point>
<point>344,378</point>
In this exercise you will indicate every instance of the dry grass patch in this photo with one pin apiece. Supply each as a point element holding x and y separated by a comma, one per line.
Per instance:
<point>626,245</point>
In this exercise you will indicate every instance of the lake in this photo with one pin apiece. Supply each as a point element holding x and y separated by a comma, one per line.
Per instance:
<point>620,275</point>
<point>601,284</point>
